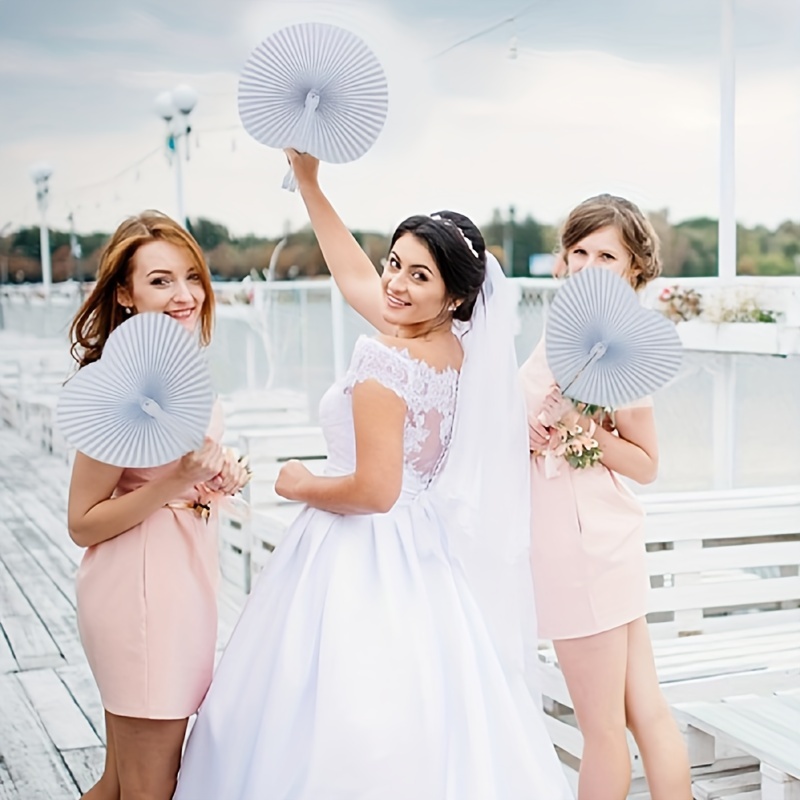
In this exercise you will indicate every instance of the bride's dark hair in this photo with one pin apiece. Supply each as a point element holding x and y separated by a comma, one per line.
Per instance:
<point>458,248</point>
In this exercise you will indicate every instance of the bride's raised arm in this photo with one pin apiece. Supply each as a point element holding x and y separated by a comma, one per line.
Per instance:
<point>350,266</point>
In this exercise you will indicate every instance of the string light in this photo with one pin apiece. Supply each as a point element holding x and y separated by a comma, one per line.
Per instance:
<point>483,32</point>
<point>134,167</point>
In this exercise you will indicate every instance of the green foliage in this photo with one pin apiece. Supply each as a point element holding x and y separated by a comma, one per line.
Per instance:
<point>527,238</point>
<point>701,235</point>
<point>26,242</point>
<point>689,248</point>
<point>208,234</point>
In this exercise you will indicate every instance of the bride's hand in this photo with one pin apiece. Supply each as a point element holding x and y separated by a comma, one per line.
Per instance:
<point>291,479</point>
<point>304,166</point>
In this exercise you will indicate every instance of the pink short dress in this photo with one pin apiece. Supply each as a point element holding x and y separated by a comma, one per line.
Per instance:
<point>587,538</point>
<point>147,606</point>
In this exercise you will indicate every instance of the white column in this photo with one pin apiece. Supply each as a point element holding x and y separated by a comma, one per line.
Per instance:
<point>726,267</point>
<point>180,207</point>
<point>337,325</point>
<point>724,430</point>
<point>44,245</point>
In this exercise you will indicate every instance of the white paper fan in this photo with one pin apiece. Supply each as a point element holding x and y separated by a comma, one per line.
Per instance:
<point>603,347</point>
<point>146,402</point>
<point>316,88</point>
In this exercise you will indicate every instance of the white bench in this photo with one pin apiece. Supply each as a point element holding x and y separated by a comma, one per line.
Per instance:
<point>28,391</point>
<point>724,607</point>
<point>10,378</point>
<point>764,727</point>
<point>248,535</point>
<point>260,409</point>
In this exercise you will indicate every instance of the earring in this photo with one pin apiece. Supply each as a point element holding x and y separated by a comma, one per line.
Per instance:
<point>127,310</point>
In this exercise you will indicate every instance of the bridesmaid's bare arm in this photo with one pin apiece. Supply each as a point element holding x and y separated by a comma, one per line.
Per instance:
<point>94,516</point>
<point>629,449</point>
<point>350,266</point>
<point>379,416</point>
<point>633,450</point>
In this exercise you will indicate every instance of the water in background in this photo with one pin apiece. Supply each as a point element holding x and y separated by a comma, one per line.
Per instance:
<point>726,420</point>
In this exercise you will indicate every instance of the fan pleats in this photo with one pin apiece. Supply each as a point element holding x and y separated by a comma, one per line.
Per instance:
<point>643,348</point>
<point>149,356</point>
<point>335,63</point>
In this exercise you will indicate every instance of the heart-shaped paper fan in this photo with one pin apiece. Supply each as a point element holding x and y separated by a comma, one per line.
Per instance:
<point>146,402</point>
<point>316,88</point>
<point>603,347</point>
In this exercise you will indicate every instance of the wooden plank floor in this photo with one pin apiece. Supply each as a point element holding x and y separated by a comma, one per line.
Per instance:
<point>51,726</point>
<point>51,720</point>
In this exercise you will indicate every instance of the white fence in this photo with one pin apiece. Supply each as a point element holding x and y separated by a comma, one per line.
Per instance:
<point>727,421</point>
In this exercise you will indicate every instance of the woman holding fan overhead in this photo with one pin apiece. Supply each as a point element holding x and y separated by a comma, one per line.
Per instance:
<point>587,543</point>
<point>146,587</point>
<point>381,654</point>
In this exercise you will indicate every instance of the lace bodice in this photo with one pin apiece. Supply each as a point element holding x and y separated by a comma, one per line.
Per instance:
<point>430,398</point>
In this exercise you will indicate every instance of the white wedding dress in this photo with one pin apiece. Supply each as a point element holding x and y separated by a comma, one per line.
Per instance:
<point>362,668</point>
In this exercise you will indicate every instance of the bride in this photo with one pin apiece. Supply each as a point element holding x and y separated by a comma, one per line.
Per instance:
<point>381,655</point>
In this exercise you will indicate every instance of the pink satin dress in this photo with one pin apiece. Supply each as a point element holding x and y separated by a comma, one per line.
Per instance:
<point>147,606</point>
<point>587,538</point>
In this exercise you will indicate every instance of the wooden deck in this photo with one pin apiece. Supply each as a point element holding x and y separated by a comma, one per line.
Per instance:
<point>51,726</point>
<point>51,719</point>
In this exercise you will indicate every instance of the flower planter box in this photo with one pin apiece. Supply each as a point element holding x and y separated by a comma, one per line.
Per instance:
<point>730,337</point>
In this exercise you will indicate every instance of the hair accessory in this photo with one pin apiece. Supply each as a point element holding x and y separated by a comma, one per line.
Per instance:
<point>463,235</point>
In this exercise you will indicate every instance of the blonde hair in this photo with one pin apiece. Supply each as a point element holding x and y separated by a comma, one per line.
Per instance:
<point>635,230</point>
<point>101,312</point>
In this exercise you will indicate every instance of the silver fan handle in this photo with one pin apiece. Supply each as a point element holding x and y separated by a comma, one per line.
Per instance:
<point>595,354</point>
<point>289,181</point>
<point>301,135</point>
<point>153,409</point>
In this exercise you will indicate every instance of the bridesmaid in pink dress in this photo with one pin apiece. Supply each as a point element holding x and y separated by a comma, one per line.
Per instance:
<point>146,588</point>
<point>587,543</point>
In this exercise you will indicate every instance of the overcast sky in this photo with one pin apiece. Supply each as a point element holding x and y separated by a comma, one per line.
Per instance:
<point>618,96</point>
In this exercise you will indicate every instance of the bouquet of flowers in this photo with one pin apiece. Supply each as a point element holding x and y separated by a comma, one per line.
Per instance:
<point>574,445</point>
<point>569,439</point>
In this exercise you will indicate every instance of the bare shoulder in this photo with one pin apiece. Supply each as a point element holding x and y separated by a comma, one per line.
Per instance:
<point>441,355</point>
<point>87,469</point>
<point>636,424</point>
<point>642,410</point>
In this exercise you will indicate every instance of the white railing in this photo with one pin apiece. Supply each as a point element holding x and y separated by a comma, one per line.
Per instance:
<point>726,421</point>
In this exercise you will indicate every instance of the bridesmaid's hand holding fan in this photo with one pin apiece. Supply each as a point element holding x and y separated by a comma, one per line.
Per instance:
<point>233,477</point>
<point>204,464</point>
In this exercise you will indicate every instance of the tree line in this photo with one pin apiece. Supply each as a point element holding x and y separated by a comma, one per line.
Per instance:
<point>689,249</point>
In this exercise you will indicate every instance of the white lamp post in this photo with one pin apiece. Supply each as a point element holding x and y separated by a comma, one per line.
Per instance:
<point>4,258</point>
<point>726,258</point>
<point>41,176</point>
<point>174,108</point>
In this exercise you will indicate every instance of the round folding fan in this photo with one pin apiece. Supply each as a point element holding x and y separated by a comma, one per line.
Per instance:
<point>316,88</point>
<point>146,402</point>
<point>603,347</point>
